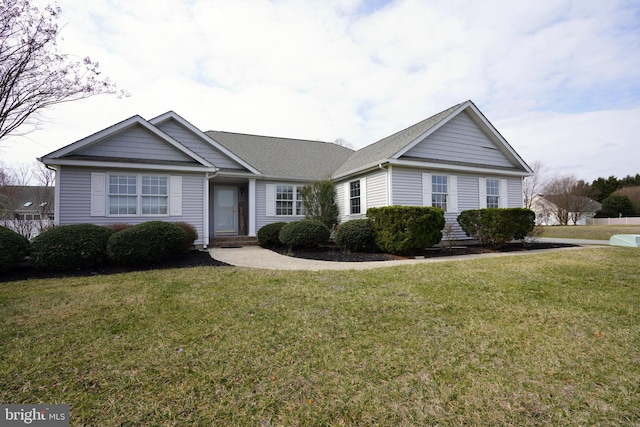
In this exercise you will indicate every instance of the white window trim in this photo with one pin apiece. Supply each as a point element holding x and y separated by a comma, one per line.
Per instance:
<point>271,194</point>
<point>503,201</point>
<point>363,197</point>
<point>452,191</point>
<point>100,195</point>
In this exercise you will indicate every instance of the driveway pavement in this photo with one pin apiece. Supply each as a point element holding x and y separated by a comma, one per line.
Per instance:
<point>258,257</point>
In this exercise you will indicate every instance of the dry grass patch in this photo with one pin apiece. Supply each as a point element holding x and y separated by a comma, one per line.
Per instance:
<point>548,339</point>
<point>594,232</point>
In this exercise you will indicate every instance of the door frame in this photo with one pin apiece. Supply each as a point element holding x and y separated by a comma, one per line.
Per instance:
<point>234,231</point>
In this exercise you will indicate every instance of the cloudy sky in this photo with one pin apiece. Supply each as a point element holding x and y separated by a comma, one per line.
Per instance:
<point>559,79</point>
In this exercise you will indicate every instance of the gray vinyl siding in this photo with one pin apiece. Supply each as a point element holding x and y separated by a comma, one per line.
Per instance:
<point>136,143</point>
<point>375,194</point>
<point>261,205</point>
<point>460,140</point>
<point>198,145</point>
<point>377,189</point>
<point>406,186</point>
<point>75,200</point>
<point>514,193</point>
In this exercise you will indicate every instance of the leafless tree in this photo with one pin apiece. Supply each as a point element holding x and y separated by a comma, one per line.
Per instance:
<point>569,198</point>
<point>344,143</point>
<point>533,185</point>
<point>33,73</point>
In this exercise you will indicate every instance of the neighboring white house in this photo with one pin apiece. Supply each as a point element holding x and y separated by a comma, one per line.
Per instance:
<point>27,209</point>
<point>580,208</point>
<point>231,184</point>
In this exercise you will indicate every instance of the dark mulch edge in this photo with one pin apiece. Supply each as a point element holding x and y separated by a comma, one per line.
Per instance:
<point>189,259</point>
<point>334,253</point>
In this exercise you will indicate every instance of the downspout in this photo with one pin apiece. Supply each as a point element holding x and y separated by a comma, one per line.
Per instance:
<point>205,196</point>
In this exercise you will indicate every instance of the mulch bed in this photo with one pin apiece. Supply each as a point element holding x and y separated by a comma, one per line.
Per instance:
<point>334,253</point>
<point>189,259</point>
<point>323,253</point>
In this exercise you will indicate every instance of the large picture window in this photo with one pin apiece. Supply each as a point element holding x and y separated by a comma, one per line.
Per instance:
<point>439,191</point>
<point>138,194</point>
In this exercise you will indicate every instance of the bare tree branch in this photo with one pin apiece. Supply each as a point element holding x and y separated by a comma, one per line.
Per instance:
<point>33,74</point>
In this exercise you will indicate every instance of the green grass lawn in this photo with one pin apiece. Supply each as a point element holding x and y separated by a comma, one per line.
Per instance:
<point>595,232</point>
<point>546,339</point>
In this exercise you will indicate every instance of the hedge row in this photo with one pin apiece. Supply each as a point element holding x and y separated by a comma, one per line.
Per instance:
<point>495,227</point>
<point>403,230</point>
<point>86,245</point>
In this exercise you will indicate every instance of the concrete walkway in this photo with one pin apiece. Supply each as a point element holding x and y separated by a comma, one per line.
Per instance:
<point>258,257</point>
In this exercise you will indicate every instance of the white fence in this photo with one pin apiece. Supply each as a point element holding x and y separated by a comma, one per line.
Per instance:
<point>614,221</point>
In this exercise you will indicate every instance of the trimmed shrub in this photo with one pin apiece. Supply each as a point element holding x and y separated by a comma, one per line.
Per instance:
<point>357,235</point>
<point>13,248</point>
<point>192,233</point>
<point>118,226</point>
<point>146,243</point>
<point>495,227</point>
<point>268,235</point>
<point>70,246</point>
<point>403,230</point>
<point>306,233</point>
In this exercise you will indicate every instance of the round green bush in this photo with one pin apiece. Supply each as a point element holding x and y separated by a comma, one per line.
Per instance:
<point>192,234</point>
<point>70,246</point>
<point>404,230</point>
<point>357,235</point>
<point>268,234</point>
<point>146,243</point>
<point>306,233</point>
<point>13,248</point>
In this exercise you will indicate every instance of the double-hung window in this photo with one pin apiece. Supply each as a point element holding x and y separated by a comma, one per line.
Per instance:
<point>289,200</point>
<point>493,193</point>
<point>354,197</point>
<point>154,195</point>
<point>138,194</point>
<point>123,198</point>
<point>439,191</point>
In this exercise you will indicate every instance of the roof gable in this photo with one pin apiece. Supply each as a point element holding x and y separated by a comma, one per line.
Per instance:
<point>404,145</point>
<point>187,134</point>
<point>131,141</point>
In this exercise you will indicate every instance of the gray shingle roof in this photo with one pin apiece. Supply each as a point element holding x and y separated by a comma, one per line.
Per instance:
<point>385,148</point>
<point>284,157</point>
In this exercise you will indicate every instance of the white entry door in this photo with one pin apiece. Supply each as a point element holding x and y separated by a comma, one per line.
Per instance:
<point>225,211</point>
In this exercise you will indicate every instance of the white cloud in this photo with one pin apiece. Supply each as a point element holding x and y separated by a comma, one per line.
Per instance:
<point>559,79</point>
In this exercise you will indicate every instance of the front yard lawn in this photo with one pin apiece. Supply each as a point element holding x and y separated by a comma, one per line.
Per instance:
<point>548,339</point>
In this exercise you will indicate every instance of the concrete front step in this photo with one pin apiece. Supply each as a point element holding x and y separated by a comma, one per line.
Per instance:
<point>232,241</point>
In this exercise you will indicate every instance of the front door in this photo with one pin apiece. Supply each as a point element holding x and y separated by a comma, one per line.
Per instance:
<point>225,210</point>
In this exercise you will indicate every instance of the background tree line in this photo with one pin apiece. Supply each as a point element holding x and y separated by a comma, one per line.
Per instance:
<point>570,198</point>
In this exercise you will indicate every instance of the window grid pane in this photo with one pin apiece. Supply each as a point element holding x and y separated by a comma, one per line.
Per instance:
<point>493,193</point>
<point>439,191</point>
<point>354,198</point>
<point>284,200</point>
<point>122,195</point>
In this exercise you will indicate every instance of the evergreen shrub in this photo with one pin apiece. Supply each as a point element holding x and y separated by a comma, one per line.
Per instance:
<point>495,227</point>
<point>403,230</point>
<point>357,235</point>
<point>268,235</point>
<point>70,246</point>
<point>306,233</point>
<point>13,248</point>
<point>147,243</point>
